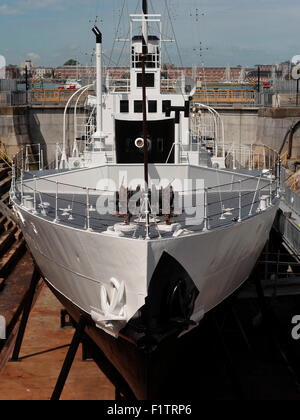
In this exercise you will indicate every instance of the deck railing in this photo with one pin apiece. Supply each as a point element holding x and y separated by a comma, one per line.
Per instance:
<point>250,156</point>
<point>114,85</point>
<point>77,206</point>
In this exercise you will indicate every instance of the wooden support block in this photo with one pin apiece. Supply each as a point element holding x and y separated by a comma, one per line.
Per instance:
<point>2,283</point>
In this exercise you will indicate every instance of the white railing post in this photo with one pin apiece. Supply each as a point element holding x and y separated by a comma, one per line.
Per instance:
<point>56,157</point>
<point>271,184</point>
<point>88,223</point>
<point>13,176</point>
<point>26,158</point>
<point>240,202</point>
<point>34,196</point>
<point>259,159</point>
<point>205,228</point>
<point>234,158</point>
<point>254,197</point>
<point>22,187</point>
<point>39,147</point>
<point>42,159</point>
<point>22,159</point>
<point>147,214</point>
<point>56,204</point>
<point>13,183</point>
<point>278,176</point>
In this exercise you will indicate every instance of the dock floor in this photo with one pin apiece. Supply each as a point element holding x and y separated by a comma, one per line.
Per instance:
<point>42,355</point>
<point>246,365</point>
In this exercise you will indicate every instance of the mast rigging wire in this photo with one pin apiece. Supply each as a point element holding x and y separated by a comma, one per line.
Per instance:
<point>174,34</point>
<point>118,27</point>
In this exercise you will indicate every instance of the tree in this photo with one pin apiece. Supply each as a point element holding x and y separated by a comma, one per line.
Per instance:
<point>71,62</point>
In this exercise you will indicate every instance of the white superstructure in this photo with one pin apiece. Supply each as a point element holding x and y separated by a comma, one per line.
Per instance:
<point>116,122</point>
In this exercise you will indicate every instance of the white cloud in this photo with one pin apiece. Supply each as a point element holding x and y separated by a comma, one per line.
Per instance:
<point>7,10</point>
<point>33,56</point>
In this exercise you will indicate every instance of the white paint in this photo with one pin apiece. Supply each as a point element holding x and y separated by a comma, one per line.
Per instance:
<point>218,261</point>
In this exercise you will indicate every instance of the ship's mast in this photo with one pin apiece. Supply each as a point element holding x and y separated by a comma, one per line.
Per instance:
<point>98,34</point>
<point>145,125</point>
<point>145,27</point>
<point>144,56</point>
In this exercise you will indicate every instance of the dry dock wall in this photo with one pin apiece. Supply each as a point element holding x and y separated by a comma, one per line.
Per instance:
<point>261,125</point>
<point>14,131</point>
<point>44,125</point>
<point>240,125</point>
<point>273,124</point>
<point>35,125</point>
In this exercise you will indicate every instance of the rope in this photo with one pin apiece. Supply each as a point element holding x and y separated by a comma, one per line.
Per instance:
<point>128,32</point>
<point>174,34</point>
<point>118,27</point>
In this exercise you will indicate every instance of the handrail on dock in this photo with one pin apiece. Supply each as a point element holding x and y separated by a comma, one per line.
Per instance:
<point>225,95</point>
<point>54,95</point>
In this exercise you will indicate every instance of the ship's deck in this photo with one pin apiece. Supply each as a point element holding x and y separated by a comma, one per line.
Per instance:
<point>222,210</point>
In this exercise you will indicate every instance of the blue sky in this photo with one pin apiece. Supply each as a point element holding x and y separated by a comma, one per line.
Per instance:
<point>244,32</point>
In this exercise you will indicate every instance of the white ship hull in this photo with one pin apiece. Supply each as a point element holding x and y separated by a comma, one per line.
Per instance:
<point>218,261</point>
<point>77,263</point>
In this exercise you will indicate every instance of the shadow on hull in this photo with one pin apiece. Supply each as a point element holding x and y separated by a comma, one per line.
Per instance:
<point>141,360</point>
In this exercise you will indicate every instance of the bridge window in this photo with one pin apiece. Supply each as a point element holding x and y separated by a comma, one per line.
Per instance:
<point>152,106</point>
<point>149,80</point>
<point>138,106</point>
<point>124,106</point>
<point>165,105</point>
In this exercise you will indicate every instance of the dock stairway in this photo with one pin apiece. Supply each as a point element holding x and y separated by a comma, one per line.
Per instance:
<point>12,244</point>
<point>16,266</point>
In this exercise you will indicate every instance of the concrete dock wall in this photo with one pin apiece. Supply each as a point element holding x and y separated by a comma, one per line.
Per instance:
<point>35,125</point>
<point>240,125</point>
<point>44,125</point>
<point>261,125</point>
<point>273,124</point>
<point>14,128</point>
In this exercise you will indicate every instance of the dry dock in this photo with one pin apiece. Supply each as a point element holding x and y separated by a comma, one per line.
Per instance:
<point>45,343</point>
<point>42,354</point>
